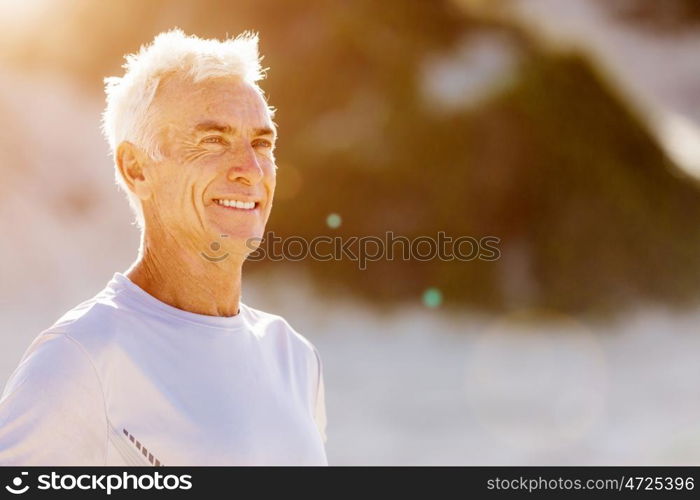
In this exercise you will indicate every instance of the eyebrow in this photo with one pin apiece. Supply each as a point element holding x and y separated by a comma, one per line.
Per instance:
<point>209,125</point>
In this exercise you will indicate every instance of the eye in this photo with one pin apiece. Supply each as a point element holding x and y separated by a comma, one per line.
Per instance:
<point>214,139</point>
<point>262,143</point>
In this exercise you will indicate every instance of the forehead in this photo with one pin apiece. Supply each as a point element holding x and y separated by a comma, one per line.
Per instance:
<point>181,103</point>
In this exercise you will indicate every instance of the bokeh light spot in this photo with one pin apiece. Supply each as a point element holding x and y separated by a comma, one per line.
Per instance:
<point>432,298</point>
<point>333,221</point>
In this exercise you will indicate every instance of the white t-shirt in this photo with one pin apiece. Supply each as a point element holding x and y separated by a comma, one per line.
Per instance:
<point>125,379</point>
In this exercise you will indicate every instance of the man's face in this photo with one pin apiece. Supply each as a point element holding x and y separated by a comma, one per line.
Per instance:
<point>217,140</point>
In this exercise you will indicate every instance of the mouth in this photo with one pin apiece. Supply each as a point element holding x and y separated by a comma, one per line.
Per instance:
<point>237,205</point>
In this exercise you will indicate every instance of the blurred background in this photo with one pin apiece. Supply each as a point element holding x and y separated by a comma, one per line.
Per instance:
<point>569,129</point>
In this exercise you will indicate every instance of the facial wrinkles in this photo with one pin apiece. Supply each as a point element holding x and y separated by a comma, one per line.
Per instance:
<point>191,205</point>
<point>192,150</point>
<point>186,152</point>
<point>196,166</point>
<point>169,227</point>
<point>171,208</point>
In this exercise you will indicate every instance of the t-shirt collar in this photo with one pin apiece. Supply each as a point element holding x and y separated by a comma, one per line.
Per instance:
<point>125,289</point>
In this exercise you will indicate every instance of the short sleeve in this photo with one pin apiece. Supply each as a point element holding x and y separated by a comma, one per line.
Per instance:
<point>52,410</point>
<point>320,406</point>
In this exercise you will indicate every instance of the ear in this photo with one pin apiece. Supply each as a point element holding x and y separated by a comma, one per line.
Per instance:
<point>132,164</point>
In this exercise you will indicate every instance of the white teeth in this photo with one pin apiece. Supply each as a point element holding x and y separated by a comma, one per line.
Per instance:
<point>246,205</point>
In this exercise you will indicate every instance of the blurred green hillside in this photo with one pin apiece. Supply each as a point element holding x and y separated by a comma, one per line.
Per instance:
<point>549,158</point>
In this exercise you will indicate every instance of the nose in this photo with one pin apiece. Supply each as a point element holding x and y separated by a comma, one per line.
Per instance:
<point>245,167</point>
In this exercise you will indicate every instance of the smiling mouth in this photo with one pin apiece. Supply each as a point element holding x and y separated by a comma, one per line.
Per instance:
<point>233,204</point>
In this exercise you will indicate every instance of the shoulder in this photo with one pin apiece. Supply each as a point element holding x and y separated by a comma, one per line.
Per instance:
<point>287,343</point>
<point>274,323</point>
<point>93,310</point>
<point>275,326</point>
<point>65,351</point>
<point>54,364</point>
<point>90,324</point>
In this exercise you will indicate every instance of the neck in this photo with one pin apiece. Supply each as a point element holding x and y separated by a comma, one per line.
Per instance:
<point>182,278</point>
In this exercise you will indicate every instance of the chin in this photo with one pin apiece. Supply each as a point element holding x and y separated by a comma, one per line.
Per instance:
<point>239,234</point>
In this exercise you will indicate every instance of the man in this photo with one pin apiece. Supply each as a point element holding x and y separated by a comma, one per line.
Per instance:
<point>166,365</point>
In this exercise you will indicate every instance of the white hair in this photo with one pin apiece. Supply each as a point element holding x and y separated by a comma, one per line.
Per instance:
<point>126,115</point>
